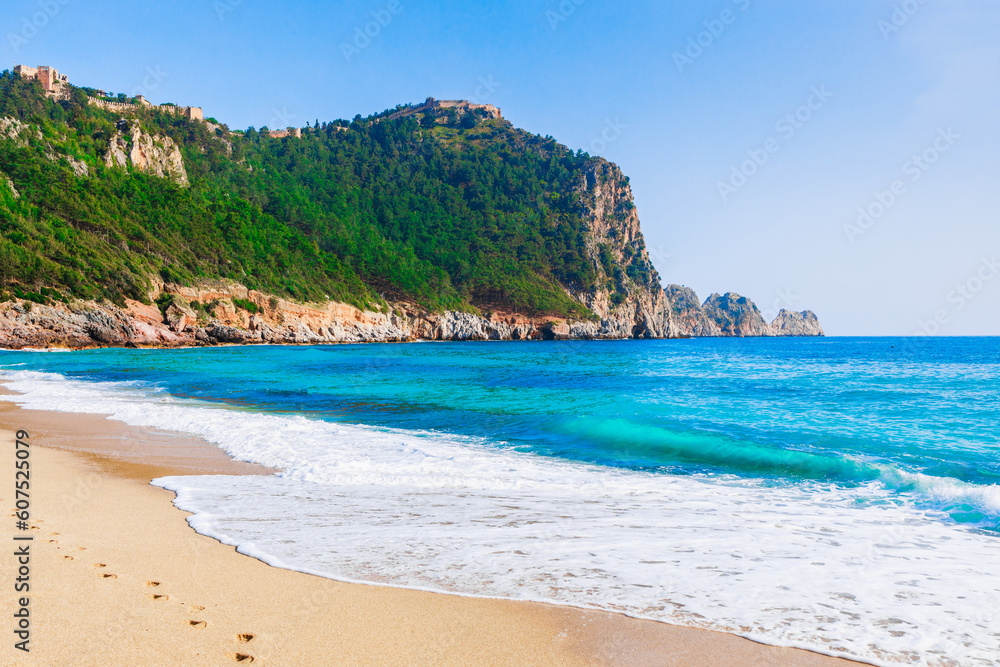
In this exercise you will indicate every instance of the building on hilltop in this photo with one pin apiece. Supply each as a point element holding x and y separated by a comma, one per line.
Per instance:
<point>56,85</point>
<point>488,110</point>
<point>52,81</point>
<point>288,132</point>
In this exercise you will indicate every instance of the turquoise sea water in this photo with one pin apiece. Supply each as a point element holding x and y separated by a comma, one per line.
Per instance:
<point>891,445</point>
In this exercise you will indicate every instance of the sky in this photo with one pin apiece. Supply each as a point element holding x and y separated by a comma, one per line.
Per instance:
<point>833,155</point>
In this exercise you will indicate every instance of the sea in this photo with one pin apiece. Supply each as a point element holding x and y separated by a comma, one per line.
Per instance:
<point>834,494</point>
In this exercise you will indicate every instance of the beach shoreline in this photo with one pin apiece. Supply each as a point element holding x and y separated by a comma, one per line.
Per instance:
<point>117,568</point>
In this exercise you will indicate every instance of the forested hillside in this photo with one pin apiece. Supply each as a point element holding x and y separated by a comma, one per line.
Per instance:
<point>450,211</point>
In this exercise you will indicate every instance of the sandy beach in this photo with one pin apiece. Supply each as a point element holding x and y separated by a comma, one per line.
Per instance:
<point>118,577</point>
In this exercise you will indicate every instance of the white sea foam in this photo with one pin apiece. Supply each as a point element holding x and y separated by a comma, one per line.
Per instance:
<point>848,572</point>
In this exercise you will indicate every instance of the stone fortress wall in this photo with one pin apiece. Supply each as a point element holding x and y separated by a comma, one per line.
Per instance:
<point>462,105</point>
<point>192,113</point>
<point>56,85</point>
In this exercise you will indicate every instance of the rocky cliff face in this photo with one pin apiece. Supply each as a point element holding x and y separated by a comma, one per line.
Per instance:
<point>152,154</point>
<point>789,323</point>
<point>629,301</point>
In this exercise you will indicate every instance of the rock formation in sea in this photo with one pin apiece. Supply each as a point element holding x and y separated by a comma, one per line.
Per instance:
<point>689,317</point>
<point>733,315</point>
<point>736,315</point>
<point>790,323</point>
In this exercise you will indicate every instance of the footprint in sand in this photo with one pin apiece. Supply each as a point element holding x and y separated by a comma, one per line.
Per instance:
<point>152,584</point>
<point>110,576</point>
<point>68,557</point>
<point>100,565</point>
<point>197,624</point>
<point>197,607</point>
<point>243,657</point>
<point>157,597</point>
<point>244,637</point>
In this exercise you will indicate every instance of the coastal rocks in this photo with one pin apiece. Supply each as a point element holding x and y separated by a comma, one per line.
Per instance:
<point>225,318</point>
<point>736,315</point>
<point>178,316</point>
<point>26,324</point>
<point>108,328</point>
<point>790,323</point>
<point>466,326</point>
<point>688,315</point>
<point>459,326</point>
<point>224,334</point>
<point>152,154</point>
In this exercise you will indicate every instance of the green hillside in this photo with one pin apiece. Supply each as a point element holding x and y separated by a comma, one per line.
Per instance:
<point>461,214</point>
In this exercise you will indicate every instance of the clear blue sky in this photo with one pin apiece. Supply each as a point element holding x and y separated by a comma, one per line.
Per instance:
<point>882,91</point>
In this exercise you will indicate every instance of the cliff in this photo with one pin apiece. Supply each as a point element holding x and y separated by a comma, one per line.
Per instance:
<point>152,154</point>
<point>627,295</point>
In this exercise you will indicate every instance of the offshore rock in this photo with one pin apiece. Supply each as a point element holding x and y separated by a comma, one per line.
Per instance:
<point>790,323</point>
<point>688,315</point>
<point>735,315</point>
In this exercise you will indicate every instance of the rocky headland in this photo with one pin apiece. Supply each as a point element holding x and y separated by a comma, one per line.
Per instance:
<point>625,300</point>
